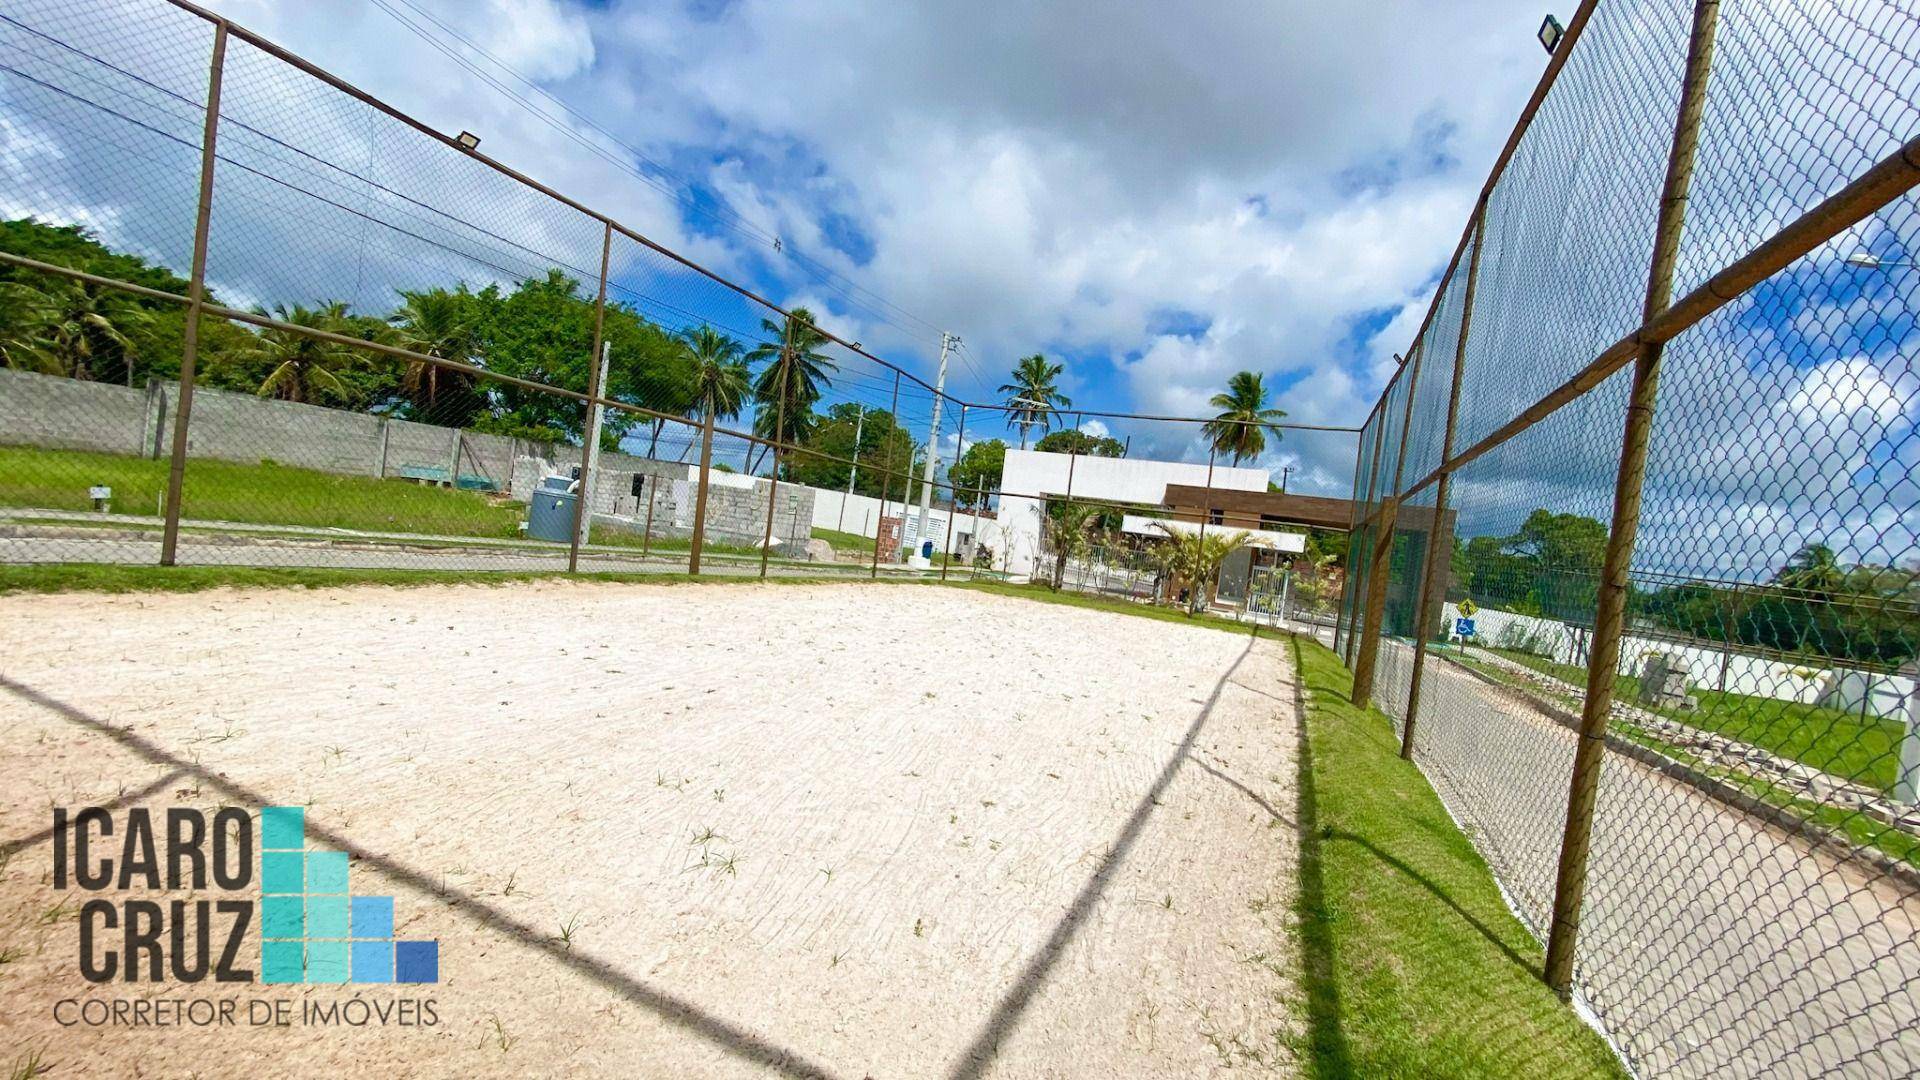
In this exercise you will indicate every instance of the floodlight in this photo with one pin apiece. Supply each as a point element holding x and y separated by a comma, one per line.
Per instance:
<point>1550,31</point>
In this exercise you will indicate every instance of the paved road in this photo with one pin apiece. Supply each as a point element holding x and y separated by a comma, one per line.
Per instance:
<point>1712,945</point>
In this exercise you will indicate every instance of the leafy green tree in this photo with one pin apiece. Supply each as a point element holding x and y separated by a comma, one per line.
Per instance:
<point>1033,396</point>
<point>1240,429</point>
<point>648,366</point>
<point>541,332</point>
<point>1815,605</point>
<point>976,476</point>
<point>1549,566</point>
<point>1073,441</point>
<point>884,451</point>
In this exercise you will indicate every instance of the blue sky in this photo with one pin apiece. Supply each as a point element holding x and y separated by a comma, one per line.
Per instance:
<point>1156,202</point>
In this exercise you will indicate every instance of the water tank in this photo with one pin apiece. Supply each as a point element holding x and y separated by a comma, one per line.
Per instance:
<point>550,513</point>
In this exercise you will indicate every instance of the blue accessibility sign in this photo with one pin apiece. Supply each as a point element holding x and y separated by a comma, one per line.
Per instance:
<point>1463,628</point>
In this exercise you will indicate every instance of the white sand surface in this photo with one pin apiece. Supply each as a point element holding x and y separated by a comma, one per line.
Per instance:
<point>690,830</point>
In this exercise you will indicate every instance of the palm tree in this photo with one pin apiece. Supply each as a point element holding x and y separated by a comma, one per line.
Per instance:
<point>1066,528</point>
<point>304,367</point>
<point>1813,569</point>
<point>796,373</point>
<point>77,329</point>
<point>1241,428</point>
<point>1196,557</point>
<point>1033,397</point>
<point>443,324</point>
<point>720,376</point>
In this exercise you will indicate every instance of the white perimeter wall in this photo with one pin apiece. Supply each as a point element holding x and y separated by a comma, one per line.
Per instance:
<point>861,514</point>
<point>1807,683</point>
<point>1030,475</point>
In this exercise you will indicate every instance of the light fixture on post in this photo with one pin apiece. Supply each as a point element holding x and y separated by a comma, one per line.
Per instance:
<point>468,140</point>
<point>1550,31</point>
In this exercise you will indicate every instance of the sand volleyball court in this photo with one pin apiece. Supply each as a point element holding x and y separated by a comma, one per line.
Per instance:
<point>675,830</point>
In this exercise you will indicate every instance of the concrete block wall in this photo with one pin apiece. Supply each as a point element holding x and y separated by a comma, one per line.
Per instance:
<point>50,411</point>
<point>736,505</point>
<point>46,410</point>
<point>68,414</point>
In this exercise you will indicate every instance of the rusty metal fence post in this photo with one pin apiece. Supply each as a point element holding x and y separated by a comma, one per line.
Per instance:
<point>1609,615</point>
<point>1356,565</point>
<point>196,300</point>
<point>700,494</point>
<point>886,479</point>
<point>582,516</point>
<point>1439,532</point>
<point>1342,616</point>
<point>953,496</point>
<point>1366,662</point>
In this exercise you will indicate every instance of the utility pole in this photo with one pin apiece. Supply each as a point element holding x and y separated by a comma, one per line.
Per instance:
<point>859,425</point>
<point>947,342</point>
<point>1286,474</point>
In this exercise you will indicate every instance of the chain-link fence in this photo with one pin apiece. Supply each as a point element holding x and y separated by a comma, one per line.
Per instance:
<point>1637,553</point>
<point>258,317</point>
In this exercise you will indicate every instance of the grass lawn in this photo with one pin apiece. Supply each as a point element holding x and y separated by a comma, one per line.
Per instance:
<point>844,542</point>
<point>266,493</point>
<point>1413,964</point>
<point>1864,749</point>
<point>274,494</point>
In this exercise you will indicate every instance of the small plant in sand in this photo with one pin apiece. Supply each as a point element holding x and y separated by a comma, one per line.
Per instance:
<point>498,1036</point>
<point>29,1065</point>
<point>566,931</point>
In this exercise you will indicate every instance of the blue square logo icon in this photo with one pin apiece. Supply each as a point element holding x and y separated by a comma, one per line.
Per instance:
<point>416,961</point>
<point>373,961</point>
<point>373,916</point>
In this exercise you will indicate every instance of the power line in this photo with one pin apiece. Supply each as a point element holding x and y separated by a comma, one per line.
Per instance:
<point>726,217</point>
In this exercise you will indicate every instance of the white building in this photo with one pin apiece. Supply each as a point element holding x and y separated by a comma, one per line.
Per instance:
<point>1030,476</point>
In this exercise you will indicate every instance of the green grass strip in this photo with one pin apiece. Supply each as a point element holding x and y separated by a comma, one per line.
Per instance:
<point>1855,746</point>
<point>1036,591</point>
<point>1413,965</point>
